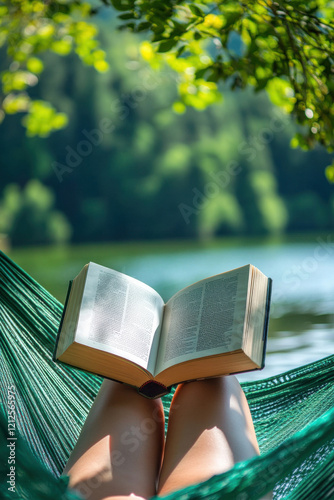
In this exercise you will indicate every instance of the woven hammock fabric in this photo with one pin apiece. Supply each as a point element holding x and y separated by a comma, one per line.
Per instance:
<point>293,413</point>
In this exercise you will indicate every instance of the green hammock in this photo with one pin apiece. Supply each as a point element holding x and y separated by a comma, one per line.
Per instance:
<point>293,413</point>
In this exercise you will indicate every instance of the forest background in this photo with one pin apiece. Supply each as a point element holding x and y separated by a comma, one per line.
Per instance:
<point>131,166</point>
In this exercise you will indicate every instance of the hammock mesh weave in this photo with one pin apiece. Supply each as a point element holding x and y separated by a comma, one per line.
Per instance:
<point>293,413</point>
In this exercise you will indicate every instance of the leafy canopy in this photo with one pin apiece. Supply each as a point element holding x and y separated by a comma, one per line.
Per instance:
<point>285,47</point>
<point>27,30</point>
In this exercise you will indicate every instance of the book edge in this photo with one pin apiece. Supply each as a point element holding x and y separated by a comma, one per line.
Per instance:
<point>150,394</point>
<point>265,330</point>
<point>62,320</point>
<point>266,322</point>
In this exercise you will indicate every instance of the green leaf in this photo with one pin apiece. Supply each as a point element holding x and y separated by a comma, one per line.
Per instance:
<point>157,28</point>
<point>128,15</point>
<point>181,50</point>
<point>158,37</point>
<point>213,76</point>
<point>281,93</point>
<point>196,10</point>
<point>231,18</point>
<point>167,45</point>
<point>61,47</point>
<point>330,172</point>
<point>35,65</point>
<point>131,26</point>
<point>261,84</point>
<point>143,26</point>
<point>200,73</point>
<point>122,5</point>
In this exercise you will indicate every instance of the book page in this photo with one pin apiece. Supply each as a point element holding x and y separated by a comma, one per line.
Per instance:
<point>204,319</point>
<point>119,314</point>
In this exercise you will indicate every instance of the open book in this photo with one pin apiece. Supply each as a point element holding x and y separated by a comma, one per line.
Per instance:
<point>118,327</point>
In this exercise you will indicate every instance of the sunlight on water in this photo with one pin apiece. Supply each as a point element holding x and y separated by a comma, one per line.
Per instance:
<point>300,280</point>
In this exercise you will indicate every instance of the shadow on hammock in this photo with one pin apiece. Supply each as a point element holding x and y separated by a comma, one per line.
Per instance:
<point>293,413</point>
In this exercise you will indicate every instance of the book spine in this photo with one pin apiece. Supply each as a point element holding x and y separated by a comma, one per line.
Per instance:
<point>152,389</point>
<point>266,321</point>
<point>62,320</point>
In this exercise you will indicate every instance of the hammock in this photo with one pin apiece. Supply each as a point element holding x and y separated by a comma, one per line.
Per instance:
<point>293,413</point>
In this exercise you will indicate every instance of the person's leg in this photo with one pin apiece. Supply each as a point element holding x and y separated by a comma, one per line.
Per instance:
<point>210,429</point>
<point>120,447</point>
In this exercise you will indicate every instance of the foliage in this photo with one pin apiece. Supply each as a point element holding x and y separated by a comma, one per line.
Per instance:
<point>285,47</point>
<point>136,170</point>
<point>27,30</point>
<point>330,172</point>
<point>28,216</point>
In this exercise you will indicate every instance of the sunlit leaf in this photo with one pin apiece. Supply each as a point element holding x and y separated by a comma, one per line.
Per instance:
<point>35,65</point>
<point>179,107</point>
<point>16,103</point>
<point>281,93</point>
<point>330,173</point>
<point>61,47</point>
<point>101,66</point>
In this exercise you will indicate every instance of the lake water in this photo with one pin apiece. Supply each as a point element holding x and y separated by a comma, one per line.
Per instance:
<point>301,328</point>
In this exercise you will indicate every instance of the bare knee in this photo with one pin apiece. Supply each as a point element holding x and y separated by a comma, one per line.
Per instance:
<point>121,397</point>
<point>202,390</point>
<point>215,383</point>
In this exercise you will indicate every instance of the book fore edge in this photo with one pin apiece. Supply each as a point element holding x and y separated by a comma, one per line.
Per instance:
<point>62,321</point>
<point>266,322</point>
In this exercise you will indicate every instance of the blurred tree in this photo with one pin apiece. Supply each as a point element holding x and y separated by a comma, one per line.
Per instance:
<point>272,215</point>
<point>28,216</point>
<point>131,162</point>
<point>308,210</point>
